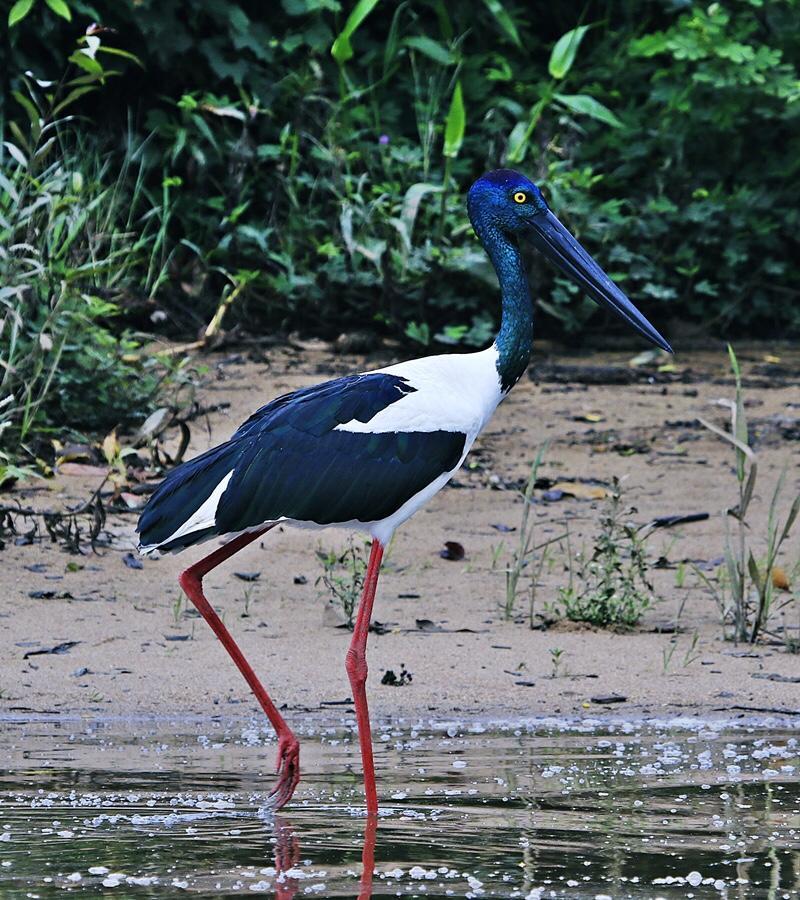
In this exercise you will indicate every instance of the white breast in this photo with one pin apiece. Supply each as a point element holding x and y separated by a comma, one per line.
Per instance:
<point>452,392</point>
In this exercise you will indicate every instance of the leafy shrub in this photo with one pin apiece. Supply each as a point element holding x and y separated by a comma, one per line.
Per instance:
<point>613,588</point>
<point>329,146</point>
<point>343,576</point>
<point>69,236</point>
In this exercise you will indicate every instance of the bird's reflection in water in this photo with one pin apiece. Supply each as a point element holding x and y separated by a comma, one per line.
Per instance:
<point>287,856</point>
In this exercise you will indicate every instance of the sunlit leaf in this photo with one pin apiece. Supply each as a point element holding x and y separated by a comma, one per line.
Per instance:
<point>563,53</point>
<point>585,105</point>
<point>60,8</point>
<point>341,50</point>
<point>455,124</point>
<point>18,12</point>
<point>86,63</point>
<point>16,153</point>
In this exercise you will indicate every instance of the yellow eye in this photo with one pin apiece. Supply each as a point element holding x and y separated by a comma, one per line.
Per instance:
<point>520,197</point>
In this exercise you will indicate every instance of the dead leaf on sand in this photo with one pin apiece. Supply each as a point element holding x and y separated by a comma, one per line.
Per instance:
<point>581,491</point>
<point>780,579</point>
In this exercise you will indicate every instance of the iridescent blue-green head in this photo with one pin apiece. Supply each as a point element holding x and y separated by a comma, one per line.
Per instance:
<point>504,205</point>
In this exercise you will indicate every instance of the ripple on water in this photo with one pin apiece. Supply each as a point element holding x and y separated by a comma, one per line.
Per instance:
<point>621,811</point>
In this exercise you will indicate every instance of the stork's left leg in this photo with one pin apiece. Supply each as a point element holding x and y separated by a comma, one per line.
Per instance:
<point>191,581</point>
<point>356,665</point>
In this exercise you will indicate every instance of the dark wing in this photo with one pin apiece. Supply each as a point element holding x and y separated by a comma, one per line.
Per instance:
<point>288,460</point>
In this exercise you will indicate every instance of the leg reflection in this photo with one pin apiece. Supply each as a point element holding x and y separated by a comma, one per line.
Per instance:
<point>368,857</point>
<point>287,856</point>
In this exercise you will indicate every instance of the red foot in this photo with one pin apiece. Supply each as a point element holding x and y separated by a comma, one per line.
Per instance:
<point>288,769</point>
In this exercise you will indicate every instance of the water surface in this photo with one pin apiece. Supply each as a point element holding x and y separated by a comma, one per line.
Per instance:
<point>539,809</point>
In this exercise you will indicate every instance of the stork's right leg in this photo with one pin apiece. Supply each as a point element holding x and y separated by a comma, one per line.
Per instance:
<point>288,748</point>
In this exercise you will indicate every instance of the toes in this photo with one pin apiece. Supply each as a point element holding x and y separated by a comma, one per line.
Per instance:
<point>288,775</point>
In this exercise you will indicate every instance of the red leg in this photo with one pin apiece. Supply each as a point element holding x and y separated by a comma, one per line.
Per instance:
<point>356,665</point>
<point>288,748</point>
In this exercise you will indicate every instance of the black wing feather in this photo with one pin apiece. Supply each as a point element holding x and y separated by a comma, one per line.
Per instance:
<point>288,460</point>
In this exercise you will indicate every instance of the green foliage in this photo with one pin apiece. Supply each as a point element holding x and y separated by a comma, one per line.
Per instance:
<point>613,587</point>
<point>327,147</point>
<point>69,234</point>
<point>562,56</point>
<point>455,125</point>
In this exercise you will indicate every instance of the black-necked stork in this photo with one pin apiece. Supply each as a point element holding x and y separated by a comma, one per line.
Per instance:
<point>365,452</point>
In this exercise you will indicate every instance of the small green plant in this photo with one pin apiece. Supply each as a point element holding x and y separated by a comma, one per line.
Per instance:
<point>556,654</point>
<point>612,587</point>
<point>691,655</point>
<point>524,552</point>
<point>247,596</point>
<point>178,606</point>
<point>680,575</point>
<point>343,576</point>
<point>745,594</point>
<point>497,552</point>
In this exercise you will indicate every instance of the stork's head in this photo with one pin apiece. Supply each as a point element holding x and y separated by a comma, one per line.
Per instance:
<point>509,203</point>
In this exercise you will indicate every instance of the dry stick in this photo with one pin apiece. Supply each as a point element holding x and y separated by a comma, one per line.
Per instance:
<point>212,330</point>
<point>81,508</point>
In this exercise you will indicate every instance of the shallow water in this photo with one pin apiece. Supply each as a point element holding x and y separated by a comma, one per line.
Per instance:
<point>536,810</point>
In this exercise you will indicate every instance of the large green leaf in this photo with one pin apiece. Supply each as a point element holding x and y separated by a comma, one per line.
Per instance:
<point>18,12</point>
<point>504,20</point>
<point>585,105</point>
<point>341,50</point>
<point>455,124</point>
<point>563,53</point>
<point>60,8</point>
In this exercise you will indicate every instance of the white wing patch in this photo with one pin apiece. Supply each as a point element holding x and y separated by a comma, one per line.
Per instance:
<point>205,516</point>
<point>450,393</point>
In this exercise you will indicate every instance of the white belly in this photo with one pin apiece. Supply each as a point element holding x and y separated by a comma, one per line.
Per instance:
<point>451,393</point>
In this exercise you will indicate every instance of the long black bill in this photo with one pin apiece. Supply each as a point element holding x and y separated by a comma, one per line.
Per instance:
<point>561,248</point>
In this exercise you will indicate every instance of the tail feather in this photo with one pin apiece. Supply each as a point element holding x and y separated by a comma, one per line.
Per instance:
<point>170,521</point>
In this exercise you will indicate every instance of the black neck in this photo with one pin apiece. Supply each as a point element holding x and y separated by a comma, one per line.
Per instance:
<point>515,337</point>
